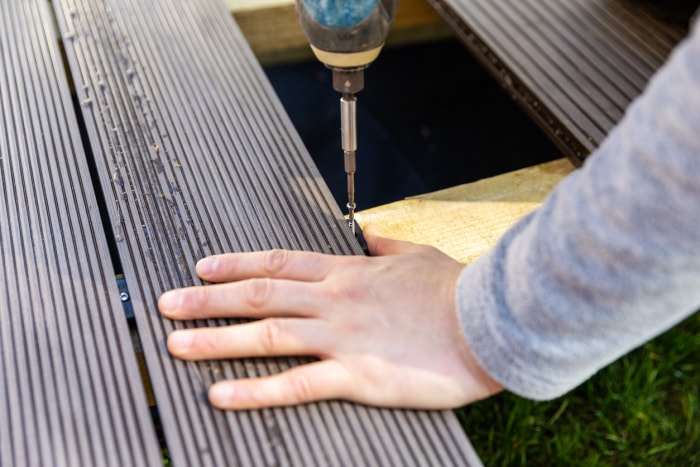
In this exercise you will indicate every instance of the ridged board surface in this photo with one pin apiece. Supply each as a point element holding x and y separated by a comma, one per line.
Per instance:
<point>196,156</point>
<point>70,389</point>
<point>574,65</point>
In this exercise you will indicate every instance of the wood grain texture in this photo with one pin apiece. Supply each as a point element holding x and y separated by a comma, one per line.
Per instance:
<point>467,220</point>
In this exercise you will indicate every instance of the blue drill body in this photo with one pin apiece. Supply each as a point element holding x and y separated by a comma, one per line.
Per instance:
<point>339,13</point>
<point>346,26</point>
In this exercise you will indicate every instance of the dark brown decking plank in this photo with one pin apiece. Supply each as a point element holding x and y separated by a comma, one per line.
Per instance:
<point>70,388</point>
<point>197,156</point>
<point>574,65</point>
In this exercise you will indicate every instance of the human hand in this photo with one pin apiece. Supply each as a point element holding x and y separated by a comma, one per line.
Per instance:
<point>384,328</point>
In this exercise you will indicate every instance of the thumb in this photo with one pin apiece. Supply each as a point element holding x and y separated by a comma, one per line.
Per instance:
<point>380,245</point>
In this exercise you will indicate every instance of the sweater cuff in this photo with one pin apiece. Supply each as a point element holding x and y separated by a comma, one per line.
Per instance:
<point>495,338</point>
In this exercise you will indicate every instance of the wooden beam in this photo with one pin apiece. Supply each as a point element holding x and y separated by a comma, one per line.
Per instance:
<point>467,220</point>
<point>273,32</point>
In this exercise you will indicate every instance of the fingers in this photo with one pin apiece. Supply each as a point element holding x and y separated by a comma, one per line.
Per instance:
<point>382,246</point>
<point>311,382</point>
<point>253,298</point>
<point>293,265</point>
<point>283,264</point>
<point>269,338</point>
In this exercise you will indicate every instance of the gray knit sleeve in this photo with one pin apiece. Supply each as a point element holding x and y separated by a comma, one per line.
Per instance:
<point>610,260</point>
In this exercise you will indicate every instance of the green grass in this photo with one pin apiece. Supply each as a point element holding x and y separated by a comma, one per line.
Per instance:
<point>642,410</point>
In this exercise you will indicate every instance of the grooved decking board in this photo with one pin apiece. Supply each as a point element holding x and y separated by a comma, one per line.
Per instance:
<point>574,65</point>
<point>196,156</point>
<point>70,389</point>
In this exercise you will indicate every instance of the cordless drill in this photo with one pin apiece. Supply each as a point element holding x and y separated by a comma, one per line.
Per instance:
<point>347,35</point>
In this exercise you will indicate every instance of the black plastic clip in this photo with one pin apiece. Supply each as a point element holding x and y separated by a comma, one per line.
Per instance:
<point>361,239</point>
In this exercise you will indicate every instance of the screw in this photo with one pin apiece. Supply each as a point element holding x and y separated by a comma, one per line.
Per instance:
<point>124,296</point>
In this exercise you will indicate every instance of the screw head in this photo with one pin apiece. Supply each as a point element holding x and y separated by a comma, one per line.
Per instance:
<point>124,296</point>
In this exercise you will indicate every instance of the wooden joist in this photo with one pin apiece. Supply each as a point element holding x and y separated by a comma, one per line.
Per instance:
<point>466,221</point>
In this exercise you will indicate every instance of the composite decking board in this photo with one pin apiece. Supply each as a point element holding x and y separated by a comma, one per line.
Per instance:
<point>196,156</point>
<point>574,65</point>
<point>70,388</point>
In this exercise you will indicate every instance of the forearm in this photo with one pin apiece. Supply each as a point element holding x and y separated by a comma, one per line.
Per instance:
<point>611,259</point>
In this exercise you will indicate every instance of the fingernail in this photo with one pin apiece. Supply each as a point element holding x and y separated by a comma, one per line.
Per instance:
<point>205,266</point>
<point>170,301</point>
<point>180,340</point>
<point>221,394</point>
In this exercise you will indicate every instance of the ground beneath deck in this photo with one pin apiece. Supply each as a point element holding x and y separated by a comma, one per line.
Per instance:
<point>429,118</point>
